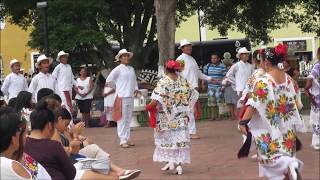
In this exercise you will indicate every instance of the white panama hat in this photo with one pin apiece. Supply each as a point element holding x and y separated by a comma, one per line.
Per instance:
<point>13,61</point>
<point>184,42</point>
<point>61,53</point>
<point>42,58</point>
<point>121,52</point>
<point>242,50</point>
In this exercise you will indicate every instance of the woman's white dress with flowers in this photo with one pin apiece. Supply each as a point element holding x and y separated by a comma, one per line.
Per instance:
<point>176,99</point>
<point>315,108</point>
<point>274,125</point>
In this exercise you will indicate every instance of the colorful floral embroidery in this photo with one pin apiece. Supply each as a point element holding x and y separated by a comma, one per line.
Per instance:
<point>289,142</point>
<point>316,129</point>
<point>283,109</point>
<point>260,91</point>
<point>286,107</point>
<point>266,145</point>
<point>31,165</point>
<point>272,114</point>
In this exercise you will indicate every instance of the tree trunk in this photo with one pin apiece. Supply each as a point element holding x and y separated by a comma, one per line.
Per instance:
<point>166,26</point>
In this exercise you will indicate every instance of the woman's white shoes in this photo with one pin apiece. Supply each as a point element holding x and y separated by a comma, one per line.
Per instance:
<point>168,166</point>
<point>179,170</point>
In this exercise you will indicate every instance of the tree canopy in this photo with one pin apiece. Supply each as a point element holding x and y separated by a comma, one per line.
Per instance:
<point>90,29</point>
<point>256,19</point>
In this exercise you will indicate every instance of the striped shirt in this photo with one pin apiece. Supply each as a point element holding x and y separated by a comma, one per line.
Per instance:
<point>216,72</point>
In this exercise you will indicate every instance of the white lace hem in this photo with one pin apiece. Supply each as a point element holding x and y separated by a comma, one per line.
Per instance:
<point>181,155</point>
<point>278,168</point>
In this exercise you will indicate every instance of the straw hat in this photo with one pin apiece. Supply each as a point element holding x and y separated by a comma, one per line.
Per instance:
<point>184,42</point>
<point>13,61</point>
<point>227,58</point>
<point>61,53</point>
<point>242,50</point>
<point>42,58</point>
<point>122,52</point>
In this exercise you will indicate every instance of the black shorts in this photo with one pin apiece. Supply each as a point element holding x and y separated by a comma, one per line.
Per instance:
<point>84,105</point>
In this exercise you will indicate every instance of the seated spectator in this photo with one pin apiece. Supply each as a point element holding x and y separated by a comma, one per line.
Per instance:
<point>294,73</point>
<point>24,106</point>
<point>2,100</point>
<point>12,102</point>
<point>72,146</point>
<point>55,160</point>
<point>44,92</point>
<point>13,133</point>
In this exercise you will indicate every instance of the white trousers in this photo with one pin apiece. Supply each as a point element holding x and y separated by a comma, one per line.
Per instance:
<point>123,125</point>
<point>192,124</point>
<point>64,100</point>
<point>315,121</point>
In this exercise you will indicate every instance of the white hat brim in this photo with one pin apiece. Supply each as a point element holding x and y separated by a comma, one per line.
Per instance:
<point>50,62</point>
<point>64,54</point>
<point>181,46</point>
<point>245,52</point>
<point>117,57</point>
<point>14,62</point>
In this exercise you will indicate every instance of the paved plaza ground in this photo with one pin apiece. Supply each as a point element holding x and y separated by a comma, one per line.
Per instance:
<point>213,156</point>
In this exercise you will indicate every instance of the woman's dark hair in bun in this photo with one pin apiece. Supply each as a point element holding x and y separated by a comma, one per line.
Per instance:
<point>41,115</point>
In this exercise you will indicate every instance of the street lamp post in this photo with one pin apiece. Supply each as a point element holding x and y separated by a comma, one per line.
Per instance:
<point>44,5</point>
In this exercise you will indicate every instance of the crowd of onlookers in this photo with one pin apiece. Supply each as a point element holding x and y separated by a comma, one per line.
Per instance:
<point>40,141</point>
<point>40,136</point>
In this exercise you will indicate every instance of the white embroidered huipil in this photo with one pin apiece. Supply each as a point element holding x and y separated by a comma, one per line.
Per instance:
<point>275,124</point>
<point>40,81</point>
<point>124,77</point>
<point>191,70</point>
<point>13,84</point>
<point>239,74</point>
<point>65,78</point>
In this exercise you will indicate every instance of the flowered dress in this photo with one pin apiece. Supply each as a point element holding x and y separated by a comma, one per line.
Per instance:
<point>176,99</point>
<point>274,125</point>
<point>315,109</point>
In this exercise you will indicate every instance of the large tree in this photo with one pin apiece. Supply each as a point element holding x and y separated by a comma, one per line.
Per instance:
<point>307,16</point>
<point>256,19</point>
<point>89,29</point>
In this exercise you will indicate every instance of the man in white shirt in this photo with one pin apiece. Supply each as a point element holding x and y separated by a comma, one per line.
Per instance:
<point>124,77</point>
<point>65,80</point>
<point>192,74</point>
<point>43,79</point>
<point>14,82</point>
<point>240,72</point>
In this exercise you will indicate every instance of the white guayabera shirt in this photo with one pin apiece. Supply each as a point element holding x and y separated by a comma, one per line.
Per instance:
<point>191,71</point>
<point>13,84</point>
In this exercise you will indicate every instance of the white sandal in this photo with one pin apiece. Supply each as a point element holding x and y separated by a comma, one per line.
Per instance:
<point>129,174</point>
<point>179,170</point>
<point>168,166</point>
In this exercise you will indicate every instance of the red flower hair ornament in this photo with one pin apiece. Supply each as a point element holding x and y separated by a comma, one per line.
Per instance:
<point>172,64</point>
<point>281,51</point>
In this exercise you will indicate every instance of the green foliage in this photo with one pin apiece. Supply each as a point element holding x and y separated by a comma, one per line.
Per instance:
<point>256,19</point>
<point>308,16</point>
<point>88,29</point>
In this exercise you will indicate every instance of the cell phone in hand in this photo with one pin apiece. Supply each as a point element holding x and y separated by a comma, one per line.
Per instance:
<point>76,121</point>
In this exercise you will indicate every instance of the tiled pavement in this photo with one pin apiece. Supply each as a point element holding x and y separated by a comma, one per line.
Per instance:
<point>213,156</point>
